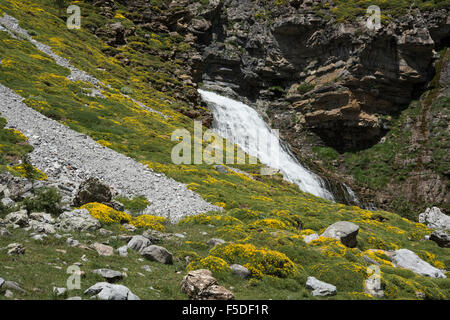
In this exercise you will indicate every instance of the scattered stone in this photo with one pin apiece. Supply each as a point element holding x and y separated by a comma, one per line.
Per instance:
<point>179,235</point>
<point>9,294</point>
<point>138,243</point>
<point>434,218</point>
<point>74,298</point>
<point>123,251</point>
<point>407,259</point>
<point>8,202</point>
<point>155,236</point>
<point>344,231</point>
<point>59,291</point>
<point>146,268</point>
<point>240,271</point>
<point>201,285</point>
<point>19,218</point>
<point>78,220</point>
<point>15,248</point>
<point>103,249</point>
<point>108,291</point>
<point>13,286</point>
<point>129,227</point>
<point>4,233</point>
<point>72,242</point>
<point>320,288</point>
<point>2,281</point>
<point>310,237</point>
<point>157,253</point>
<point>105,232</point>
<point>109,275</point>
<point>39,237</point>
<point>441,237</point>
<point>214,242</point>
<point>42,227</point>
<point>42,217</point>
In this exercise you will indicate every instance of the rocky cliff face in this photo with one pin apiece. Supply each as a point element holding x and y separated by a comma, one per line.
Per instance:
<point>321,81</point>
<point>328,83</point>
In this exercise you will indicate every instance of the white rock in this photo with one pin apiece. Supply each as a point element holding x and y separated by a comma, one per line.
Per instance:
<point>344,231</point>
<point>108,291</point>
<point>123,251</point>
<point>78,220</point>
<point>138,243</point>
<point>310,237</point>
<point>434,218</point>
<point>59,291</point>
<point>407,259</point>
<point>320,288</point>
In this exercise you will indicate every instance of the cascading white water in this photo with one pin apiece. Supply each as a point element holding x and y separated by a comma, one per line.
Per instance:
<point>241,124</point>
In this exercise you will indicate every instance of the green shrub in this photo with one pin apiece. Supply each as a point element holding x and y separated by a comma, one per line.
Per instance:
<point>46,199</point>
<point>126,90</point>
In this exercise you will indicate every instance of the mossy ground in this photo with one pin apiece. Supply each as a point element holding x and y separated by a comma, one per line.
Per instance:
<point>264,212</point>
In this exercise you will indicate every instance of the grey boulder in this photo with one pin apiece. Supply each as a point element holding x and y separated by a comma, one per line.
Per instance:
<point>214,242</point>
<point>434,218</point>
<point>201,285</point>
<point>320,288</point>
<point>344,231</point>
<point>374,287</point>
<point>92,190</point>
<point>240,271</point>
<point>78,220</point>
<point>441,237</point>
<point>20,218</point>
<point>407,259</point>
<point>4,233</point>
<point>123,251</point>
<point>42,227</point>
<point>108,291</point>
<point>109,275</point>
<point>42,217</point>
<point>310,237</point>
<point>157,253</point>
<point>138,243</point>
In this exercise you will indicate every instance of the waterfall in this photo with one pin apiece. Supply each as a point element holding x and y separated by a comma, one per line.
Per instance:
<point>243,126</point>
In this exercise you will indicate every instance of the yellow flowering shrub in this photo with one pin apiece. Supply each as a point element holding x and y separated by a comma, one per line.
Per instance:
<point>220,204</point>
<point>330,247</point>
<point>148,222</point>
<point>292,219</point>
<point>21,171</point>
<point>212,263</point>
<point>104,143</point>
<point>244,214</point>
<point>378,256</point>
<point>19,135</point>
<point>210,219</point>
<point>269,223</point>
<point>258,260</point>
<point>232,232</point>
<point>432,259</point>
<point>106,214</point>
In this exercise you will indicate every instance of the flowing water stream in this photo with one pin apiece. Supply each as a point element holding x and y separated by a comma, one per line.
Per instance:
<point>243,125</point>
